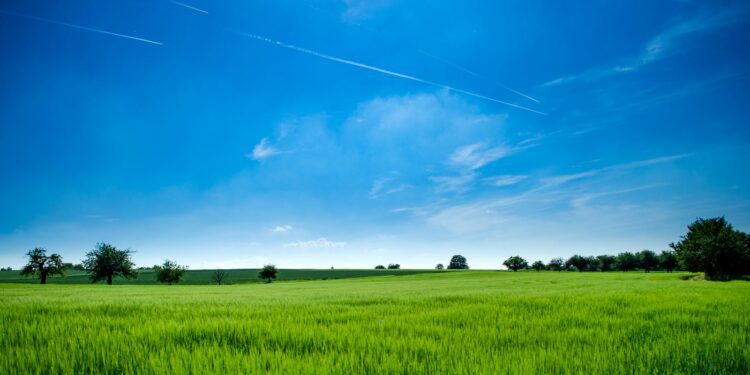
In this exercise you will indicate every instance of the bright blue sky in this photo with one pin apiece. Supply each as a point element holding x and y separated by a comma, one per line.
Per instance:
<point>238,133</point>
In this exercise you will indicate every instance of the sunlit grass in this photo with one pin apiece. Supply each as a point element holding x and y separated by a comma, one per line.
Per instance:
<point>452,322</point>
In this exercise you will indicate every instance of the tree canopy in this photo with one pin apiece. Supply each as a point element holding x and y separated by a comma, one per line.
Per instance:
<point>515,263</point>
<point>648,260</point>
<point>556,264</point>
<point>439,266</point>
<point>43,266</point>
<point>268,273</point>
<point>218,276</point>
<point>458,262</point>
<point>538,266</point>
<point>169,272</point>
<point>714,247</point>
<point>106,262</point>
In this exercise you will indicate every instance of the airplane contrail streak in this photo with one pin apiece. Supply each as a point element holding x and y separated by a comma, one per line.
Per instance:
<point>475,74</point>
<point>80,27</point>
<point>384,71</point>
<point>188,6</point>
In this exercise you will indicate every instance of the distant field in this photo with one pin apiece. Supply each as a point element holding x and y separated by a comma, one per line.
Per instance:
<point>468,322</point>
<point>197,277</point>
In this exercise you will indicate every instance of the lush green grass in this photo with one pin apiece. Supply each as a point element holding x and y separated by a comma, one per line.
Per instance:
<point>451,322</point>
<point>197,277</point>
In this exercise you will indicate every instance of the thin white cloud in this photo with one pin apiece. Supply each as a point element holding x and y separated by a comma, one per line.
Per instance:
<point>79,27</point>
<point>662,45</point>
<point>383,186</point>
<point>562,179</point>
<point>453,184</point>
<point>282,228</point>
<point>476,155</point>
<point>385,71</point>
<point>188,6</point>
<point>359,10</point>
<point>263,150</point>
<point>320,243</point>
<point>505,180</point>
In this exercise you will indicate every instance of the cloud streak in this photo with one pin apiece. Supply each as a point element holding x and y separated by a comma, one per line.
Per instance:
<point>385,71</point>
<point>188,6</point>
<point>263,150</point>
<point>320,243</point>
<point>660,46</point>
<point>79,27</point>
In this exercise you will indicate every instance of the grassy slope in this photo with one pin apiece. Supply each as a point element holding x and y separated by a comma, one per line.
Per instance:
<point>456,322</point>
<point>196,277</point>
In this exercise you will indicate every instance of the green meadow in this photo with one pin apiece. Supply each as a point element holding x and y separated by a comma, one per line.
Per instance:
<point>466,322</point>
<point>203,277</point>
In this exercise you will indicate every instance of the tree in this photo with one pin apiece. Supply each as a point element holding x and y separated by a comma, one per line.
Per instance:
<point>394,266</point>
<point>268,272</point>
<point>538,266</point>
<point>578,262</point>
<point>458,262</point>
<point>515,263</point>
<point>556,264</point>
<point>170,272</point>
<point>43,266</point>
<point>380,267</point>
<point>714,247</point>
<point>606,262</point>
<point>439,266</point>
<point>668,260</point>
<point>106,262</point>
<point>627,261</point>
<point>648,260</point>
<point>218,276</point>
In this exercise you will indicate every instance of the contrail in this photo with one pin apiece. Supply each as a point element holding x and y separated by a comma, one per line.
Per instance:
<point>475,74</point>
<point>384,71</point>
<point>80,27</point>
<point>188,6</point>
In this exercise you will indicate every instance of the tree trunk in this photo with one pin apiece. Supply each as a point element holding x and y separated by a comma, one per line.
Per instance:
<point>43,278</point>
<point>109,280</point>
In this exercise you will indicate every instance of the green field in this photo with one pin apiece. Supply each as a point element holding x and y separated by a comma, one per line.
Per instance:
<point>451,322</point>
<point>198,277</point>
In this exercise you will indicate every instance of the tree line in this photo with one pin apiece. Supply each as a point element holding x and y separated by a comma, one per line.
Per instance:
<point>711,246</point>
<point>106,262</point>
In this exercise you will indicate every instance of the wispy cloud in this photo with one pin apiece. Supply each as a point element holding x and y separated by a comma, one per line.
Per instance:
<point>359,10</point>
<point>385,71</point>
<point>453,184</point>
<point>562,179</point>
<point>282,228</point>
<point>505,180</point>
<point>662,45</point>
<point>477,155</point>
<point>188,6</point>
<point>79,27</point>
<point>383,186</point>
<point>263,150</point>
<point>315,244</point>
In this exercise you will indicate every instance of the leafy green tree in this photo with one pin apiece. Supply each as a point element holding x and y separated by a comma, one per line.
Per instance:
<point>648,260</point>
<point>169,272</point>
<point>556,264</point>
<point>578,262</point>
<point>439,266</point>
<point>218,276</point>
<point>538,266</point>
<point>606,262</point>
<point>515,263</point>
<point>380,267</point>
<point>106,262</point>
<point>43,266</point>
<point>714,247</point>
<point>668,261</point>
<point>627,261</point>
<point>458,262</point>
<point>394,266</point>
<point>268,272</point>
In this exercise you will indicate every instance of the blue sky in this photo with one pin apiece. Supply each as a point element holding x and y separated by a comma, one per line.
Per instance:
<point>354,133</point>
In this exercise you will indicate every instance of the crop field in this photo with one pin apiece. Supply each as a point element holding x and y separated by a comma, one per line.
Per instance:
<point>450,322</point>
<point>198,277</point>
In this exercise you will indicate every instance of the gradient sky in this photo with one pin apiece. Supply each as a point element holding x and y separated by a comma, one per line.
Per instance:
<point>353,133</point>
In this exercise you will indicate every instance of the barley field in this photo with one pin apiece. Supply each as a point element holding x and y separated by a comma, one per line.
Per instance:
<point>467,322</point>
